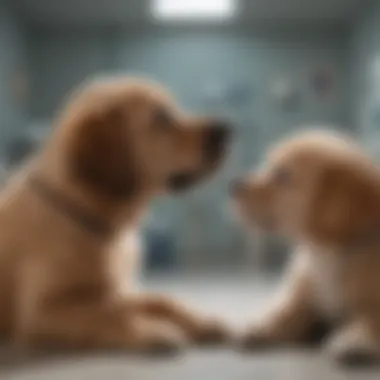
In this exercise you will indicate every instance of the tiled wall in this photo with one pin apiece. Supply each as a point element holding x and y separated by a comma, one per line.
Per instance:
<point>365,74</point>
<point>13,66</point>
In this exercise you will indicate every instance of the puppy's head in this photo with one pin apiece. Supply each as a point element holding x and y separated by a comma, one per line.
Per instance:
<point>125,136</point>
<point>318,187</point>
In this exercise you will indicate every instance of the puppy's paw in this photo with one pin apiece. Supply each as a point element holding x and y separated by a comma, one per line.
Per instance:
<point>163,347</point>
<point>356,358</point>
<point>167,341</point>
<point>256,338</point>
<point>348,348</point>
<point>212,332</point>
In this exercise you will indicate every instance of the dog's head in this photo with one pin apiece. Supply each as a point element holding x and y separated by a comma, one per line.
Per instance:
<point>317,186</point>
<point>125,136</point>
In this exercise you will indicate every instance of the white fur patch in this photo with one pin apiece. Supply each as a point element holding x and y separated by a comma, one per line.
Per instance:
<point>128,260</point>
<point>325,270</point>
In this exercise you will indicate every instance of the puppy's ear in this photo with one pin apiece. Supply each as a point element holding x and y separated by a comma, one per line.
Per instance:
<point>346,207</point>
<point>100,156</point>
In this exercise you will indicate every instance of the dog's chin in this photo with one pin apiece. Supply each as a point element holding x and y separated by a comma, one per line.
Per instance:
<point>267,225</point>
<point>262,224</point>
<point>180,182</point>
<point>185,180</point>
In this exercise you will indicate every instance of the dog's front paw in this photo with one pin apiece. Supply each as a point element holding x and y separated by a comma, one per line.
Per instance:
<point>166,341</point>
<point>353,348</point>
<point>164,346</point>
<point>256,338</point>
<point>212,332</point>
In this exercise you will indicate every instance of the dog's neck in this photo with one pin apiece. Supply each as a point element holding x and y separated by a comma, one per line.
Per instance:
<point>51,182</point>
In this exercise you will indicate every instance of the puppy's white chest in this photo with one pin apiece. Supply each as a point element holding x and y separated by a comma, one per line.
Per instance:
<point>325,269</point>
<point>127,259</point>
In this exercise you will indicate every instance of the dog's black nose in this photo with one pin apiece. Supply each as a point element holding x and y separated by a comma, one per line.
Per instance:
<point>236,186</point>
<point>220,131</point>
<point>218,135</point>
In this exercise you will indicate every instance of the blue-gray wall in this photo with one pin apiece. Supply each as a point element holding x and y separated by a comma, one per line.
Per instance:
<point>365,68</point>
<point>189,62</point>
<point>192,65</point>
<point>12,63</point>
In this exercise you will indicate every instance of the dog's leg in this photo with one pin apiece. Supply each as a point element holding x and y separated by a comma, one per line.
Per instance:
<point>101,327</point>
<point>357,343</point>
<point>288,322</point>
<point>197,328</point>
<point>291,318</point>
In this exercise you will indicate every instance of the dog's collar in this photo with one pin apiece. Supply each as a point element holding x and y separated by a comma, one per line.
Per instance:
<point>84,218</point>
<point>367,239</point>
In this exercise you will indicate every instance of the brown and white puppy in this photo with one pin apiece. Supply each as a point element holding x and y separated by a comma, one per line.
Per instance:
<point>321,192</point>
<point>69,221</point>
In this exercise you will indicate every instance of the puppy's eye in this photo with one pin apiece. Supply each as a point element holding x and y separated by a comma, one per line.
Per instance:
<point>282,176</point>
<point>163,120</point>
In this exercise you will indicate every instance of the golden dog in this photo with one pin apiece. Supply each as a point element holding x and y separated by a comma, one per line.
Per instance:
<point>69,222</point>
<point>322,192</point>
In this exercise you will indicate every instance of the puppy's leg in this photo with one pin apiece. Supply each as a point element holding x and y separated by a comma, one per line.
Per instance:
<point>100,327</point>
<point>357,343</point>
<point>197,328</point>
<point>291,319</point>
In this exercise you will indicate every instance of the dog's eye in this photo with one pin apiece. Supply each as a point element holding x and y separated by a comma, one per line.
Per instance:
<point>163,120</point>
<point>282,176</point>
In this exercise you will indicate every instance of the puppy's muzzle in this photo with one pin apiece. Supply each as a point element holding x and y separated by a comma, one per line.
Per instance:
<point>237,187</point>
<point>215,140</point>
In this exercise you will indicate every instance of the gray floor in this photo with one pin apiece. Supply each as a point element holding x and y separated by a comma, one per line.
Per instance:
<point>235,299</point>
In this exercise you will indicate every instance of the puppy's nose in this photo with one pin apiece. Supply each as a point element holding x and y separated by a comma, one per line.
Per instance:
<point>218,135</point>
<point>237,186</point>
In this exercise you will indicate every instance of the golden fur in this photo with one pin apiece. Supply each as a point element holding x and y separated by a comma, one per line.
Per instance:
<point>116,145</point>
<point>321,192</point>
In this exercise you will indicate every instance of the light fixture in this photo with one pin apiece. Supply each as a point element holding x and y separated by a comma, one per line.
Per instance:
<point>193,10</point>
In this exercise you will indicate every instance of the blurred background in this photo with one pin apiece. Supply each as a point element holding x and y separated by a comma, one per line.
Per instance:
<point>270,65</point>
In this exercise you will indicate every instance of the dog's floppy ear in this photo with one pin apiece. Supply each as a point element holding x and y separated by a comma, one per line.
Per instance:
<point>99,155</point>
<point>346,207</point>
